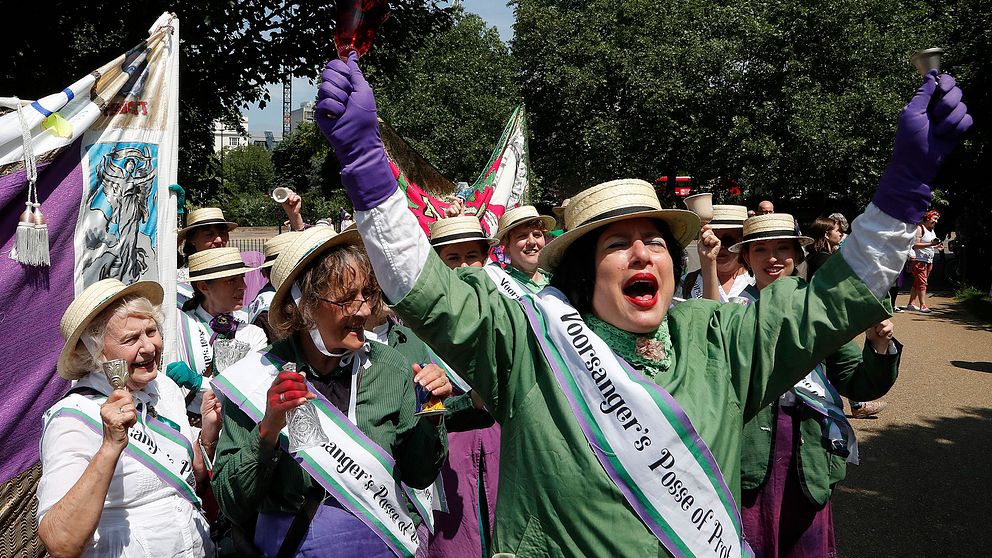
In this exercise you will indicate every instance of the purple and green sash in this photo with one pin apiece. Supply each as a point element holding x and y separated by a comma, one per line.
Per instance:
<point>154,444</point>
<point>817,393</point>
<point>508,286</point>
<point>351,467</point>
<point>641,436</point>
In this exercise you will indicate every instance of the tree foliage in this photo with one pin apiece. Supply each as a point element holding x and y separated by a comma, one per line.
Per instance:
<point>230,49</point>
<point>453,98</point>
<point>793,101</point>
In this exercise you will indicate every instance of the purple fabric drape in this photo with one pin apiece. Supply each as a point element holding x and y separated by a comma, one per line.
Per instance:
<point>32,301</point>
<point>254,280</point>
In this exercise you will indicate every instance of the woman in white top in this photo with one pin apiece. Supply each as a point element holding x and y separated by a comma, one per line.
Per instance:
<point>921,262</point>
<point>120,463</point>
<point>218,279</point>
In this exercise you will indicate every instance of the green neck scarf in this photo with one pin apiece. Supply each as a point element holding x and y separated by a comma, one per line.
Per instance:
<point>650,353</point>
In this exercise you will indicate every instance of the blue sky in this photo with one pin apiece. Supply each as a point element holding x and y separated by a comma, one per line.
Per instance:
<point>495,12</point>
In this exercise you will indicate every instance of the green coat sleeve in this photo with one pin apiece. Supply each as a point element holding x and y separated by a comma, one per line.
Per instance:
<point>469,324</point>
<point>792,327</point>
<point>863,374</point>
<point>248,477</point>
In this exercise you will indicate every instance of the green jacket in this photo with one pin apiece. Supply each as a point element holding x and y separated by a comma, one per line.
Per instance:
<point>555,499</point>
<point>248,478</point>
<point>860,375</point>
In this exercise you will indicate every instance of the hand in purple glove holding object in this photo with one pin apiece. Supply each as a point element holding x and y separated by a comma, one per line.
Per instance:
<point>346,114</point>
<point>925,136</point>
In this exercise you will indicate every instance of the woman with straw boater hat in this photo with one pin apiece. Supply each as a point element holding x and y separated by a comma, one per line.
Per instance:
<point>343,406</point>
<point>205,228</point>
<point>731,277</point>
<point>258,310</point>
<point>623,418</point>
<point>786,485</point>
<point>470,476</point>
<point>217,276</point>
<point>120,463</point>
<point>521,235</point>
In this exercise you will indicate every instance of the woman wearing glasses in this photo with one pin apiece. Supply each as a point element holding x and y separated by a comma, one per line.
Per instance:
<point>345,408</point>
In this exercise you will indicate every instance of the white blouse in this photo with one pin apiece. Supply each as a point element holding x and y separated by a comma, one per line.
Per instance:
<point>142,515</point>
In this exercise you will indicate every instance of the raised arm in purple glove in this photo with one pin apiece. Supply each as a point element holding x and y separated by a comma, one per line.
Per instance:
<point>345,113</point>
<point>924,138</point>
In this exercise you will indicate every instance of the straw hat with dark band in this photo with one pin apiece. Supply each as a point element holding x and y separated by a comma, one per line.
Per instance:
<point>216,263</point>
<point>297,256</point>
<point>203,217</point>
<point>772,226</point>
<point>457,229</point>
<point>728,217</point>
<point>275,245</point>
<point>614,201</point>
<point>88,305</point>
<point>518,216</point>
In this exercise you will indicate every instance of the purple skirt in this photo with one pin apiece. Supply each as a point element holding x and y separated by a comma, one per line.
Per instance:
<point>779,520</point>
<point>472,469</point>
<point>334,531</point>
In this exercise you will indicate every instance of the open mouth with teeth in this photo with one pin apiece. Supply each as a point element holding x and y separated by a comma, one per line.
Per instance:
<point>148,364</point>
<point>642,290</point>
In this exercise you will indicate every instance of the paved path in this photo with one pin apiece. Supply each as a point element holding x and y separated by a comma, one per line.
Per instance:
<point>924,486</point>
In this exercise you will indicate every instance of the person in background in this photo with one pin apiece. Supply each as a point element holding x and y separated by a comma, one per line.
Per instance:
<point>218,279</point>
<point>346,221</point>
<point>205,228</point>
<point>120,462</point>
<point>796,449</point>
<point>921,261</point>
<point>258,310</point>
<point>732,276</point>
<point>765,207</point>
<point>521,234</point>
<point>470,477</point>
<point>827,234</point>
<point>845,227</point>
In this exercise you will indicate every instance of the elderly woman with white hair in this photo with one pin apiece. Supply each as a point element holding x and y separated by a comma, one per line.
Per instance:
<point>621,419</point>
<point>120,463</point>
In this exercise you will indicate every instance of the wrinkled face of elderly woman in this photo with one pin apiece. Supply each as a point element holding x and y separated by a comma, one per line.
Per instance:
<point>634,276</point>
<point>136,339</point>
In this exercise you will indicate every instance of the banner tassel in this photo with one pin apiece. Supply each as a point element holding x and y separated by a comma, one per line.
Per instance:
<point>31,243</point>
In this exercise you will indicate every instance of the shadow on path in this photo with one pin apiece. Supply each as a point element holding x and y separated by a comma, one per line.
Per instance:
<point>921,490</point>
<point>976,366</point>
<point>956,313</point>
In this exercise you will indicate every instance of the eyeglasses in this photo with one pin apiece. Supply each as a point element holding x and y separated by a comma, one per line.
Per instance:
<point>729,240</point>
<point>351,307</point>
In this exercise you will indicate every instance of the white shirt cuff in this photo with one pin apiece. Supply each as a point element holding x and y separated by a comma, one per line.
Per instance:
<point>395,243</point>
<point>877,249</point>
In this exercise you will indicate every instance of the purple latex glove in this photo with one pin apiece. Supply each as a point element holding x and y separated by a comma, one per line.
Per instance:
<point>923,139</point>
<point>346,114</point>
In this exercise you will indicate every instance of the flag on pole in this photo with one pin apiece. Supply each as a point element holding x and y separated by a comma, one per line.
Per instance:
<point>104,152</point>
<point>501,185</point>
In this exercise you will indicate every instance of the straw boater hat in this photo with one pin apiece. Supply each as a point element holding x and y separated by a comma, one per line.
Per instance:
<point>203,217</point>
<point>215,263</point>
<point>88,305</point>
<point>559,210</point>
<point>275,245</point>
<point>294,259</point>
<point>728,217</point>
<point>614,201</point>
<point>772,226</point>
<point>457,229</point>
<point>519,216</point>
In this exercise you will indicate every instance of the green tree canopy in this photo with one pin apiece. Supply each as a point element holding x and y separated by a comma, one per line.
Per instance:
<point>453,98</point>
<point>796,102</point>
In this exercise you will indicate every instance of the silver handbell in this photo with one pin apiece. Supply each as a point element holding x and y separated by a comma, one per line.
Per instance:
<point>303,423</point>
<point>227,352</point>
<point>117,372</point>
<point>926,60</point>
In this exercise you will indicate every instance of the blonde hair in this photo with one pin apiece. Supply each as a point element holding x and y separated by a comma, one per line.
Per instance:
<point>87,356</point>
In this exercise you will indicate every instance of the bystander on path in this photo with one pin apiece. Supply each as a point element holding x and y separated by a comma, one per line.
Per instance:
<point>925,477</point>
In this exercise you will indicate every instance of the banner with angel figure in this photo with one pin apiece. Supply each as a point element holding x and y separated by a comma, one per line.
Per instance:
<point>84,191</point>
